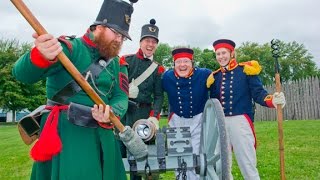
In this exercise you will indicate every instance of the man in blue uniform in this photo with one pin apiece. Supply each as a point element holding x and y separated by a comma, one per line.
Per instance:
<point>236,85</point>
<point>187,94</point>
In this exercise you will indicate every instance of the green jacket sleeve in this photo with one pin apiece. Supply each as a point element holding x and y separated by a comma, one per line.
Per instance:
<point>26,71</point>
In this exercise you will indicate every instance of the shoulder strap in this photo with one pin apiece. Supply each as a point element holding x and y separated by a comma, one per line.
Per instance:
<point>73,88</point>
<point>145,74</point>
<point>65,40</point>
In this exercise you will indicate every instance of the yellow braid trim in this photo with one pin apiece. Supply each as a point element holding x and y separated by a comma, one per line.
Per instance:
<point>251,67</point>
<point>268,97</point>
<point>210,80</point>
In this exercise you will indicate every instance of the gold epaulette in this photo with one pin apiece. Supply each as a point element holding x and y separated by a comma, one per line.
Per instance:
<point>210,79</point>
<point>251,67</point>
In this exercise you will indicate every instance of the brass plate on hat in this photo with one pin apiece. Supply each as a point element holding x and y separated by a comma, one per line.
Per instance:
<point>152,29</point>
<point>127,19</point>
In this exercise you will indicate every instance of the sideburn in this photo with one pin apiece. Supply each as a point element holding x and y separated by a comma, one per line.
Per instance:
<point>105,48</point>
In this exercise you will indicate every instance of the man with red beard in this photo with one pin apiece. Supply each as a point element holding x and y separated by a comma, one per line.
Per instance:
<point>187,94</point>
<point>145,91</point>
<point>76,145</point>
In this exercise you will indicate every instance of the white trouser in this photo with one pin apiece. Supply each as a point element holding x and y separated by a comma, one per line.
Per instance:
<point>195,129</point>
<point>242,141</point>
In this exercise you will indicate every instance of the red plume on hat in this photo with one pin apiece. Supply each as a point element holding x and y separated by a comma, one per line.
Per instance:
<point>182,53</point>
<point>224,43</point>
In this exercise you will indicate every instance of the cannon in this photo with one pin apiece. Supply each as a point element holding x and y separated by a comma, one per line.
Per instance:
<point>172,150</point>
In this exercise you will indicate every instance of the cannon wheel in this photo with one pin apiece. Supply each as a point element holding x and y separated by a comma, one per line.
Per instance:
<point>214,153</point>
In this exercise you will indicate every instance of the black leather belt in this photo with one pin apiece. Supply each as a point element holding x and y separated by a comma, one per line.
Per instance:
<point>143,105</point>
<point>53,103</point>
<point>78,114</point>
<point>138,104</point>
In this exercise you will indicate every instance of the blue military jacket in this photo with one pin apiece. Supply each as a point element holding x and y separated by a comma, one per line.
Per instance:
<point>187,96</point>
<point>236,88</point>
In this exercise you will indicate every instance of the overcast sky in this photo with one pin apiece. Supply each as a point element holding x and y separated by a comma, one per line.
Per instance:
<point>181,22</point>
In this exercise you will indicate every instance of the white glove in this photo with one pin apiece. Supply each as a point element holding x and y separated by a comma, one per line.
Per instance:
<point>133,143</point>
<point>133,90</point>
<point>155,121</point>
<point>278,98</point>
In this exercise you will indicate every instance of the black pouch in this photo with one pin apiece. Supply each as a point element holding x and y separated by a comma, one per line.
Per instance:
<point>29,125</point>
<point>81,115</point>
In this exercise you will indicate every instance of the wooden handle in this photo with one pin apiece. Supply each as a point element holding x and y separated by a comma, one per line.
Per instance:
<point>26,13</point>
<point>280,129</point>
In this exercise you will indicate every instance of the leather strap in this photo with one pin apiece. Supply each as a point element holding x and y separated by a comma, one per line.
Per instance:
<point>78,114</point>
<point>145,74</point>
<point>73,88</point>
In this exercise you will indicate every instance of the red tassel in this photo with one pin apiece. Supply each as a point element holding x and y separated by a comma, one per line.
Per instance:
<point>49,143</point>
<point>38,154</point>
<point>53,145</point>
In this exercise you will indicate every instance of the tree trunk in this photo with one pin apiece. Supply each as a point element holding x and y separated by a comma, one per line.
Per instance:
<point>13,115</point>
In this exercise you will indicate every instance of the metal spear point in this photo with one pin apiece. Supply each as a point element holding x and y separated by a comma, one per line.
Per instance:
<point>275,53</point>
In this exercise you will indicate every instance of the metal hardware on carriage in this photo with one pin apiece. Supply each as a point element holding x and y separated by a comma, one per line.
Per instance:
<point>172,150</point>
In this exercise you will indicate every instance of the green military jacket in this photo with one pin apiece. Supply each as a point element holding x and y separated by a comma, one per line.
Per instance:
<point>109,84</point>
<point>150,91</point>
<point>87,153</point>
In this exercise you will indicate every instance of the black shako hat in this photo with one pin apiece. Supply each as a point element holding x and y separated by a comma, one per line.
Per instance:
<point>116,14</point>
<point>150,30</point>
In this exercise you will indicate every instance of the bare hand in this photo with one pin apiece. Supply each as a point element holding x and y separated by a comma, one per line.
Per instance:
<point>48,46</point>
<point>101,115</point>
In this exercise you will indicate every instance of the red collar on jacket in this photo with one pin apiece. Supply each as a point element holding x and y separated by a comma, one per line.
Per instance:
<point>231,66</point>
<point>88,39</point>
<point>140,54</point>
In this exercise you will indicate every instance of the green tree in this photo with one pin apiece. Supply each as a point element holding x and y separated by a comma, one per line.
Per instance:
<point>295,61</point>
<point>262,53</point>
<point>10,50</point>
<point>15,95</point>
<point>163,55</point>
<point>207,59</point>
<point>196,55</point>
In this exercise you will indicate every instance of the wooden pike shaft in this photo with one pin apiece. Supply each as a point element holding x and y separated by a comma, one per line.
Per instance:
<point>280,129</point>
<point>32,20</point>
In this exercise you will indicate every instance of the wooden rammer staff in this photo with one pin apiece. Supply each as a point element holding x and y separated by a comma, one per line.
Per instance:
<point>275,54</point>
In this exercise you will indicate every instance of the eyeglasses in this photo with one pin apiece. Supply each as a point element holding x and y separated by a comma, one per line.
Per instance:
<point>118,35</point>
<point>184,61</point>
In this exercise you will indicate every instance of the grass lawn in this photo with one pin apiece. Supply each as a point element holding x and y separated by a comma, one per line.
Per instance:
<point>302,152</point>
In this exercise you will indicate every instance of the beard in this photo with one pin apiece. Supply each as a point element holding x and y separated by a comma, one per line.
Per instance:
<point>107,49</point>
